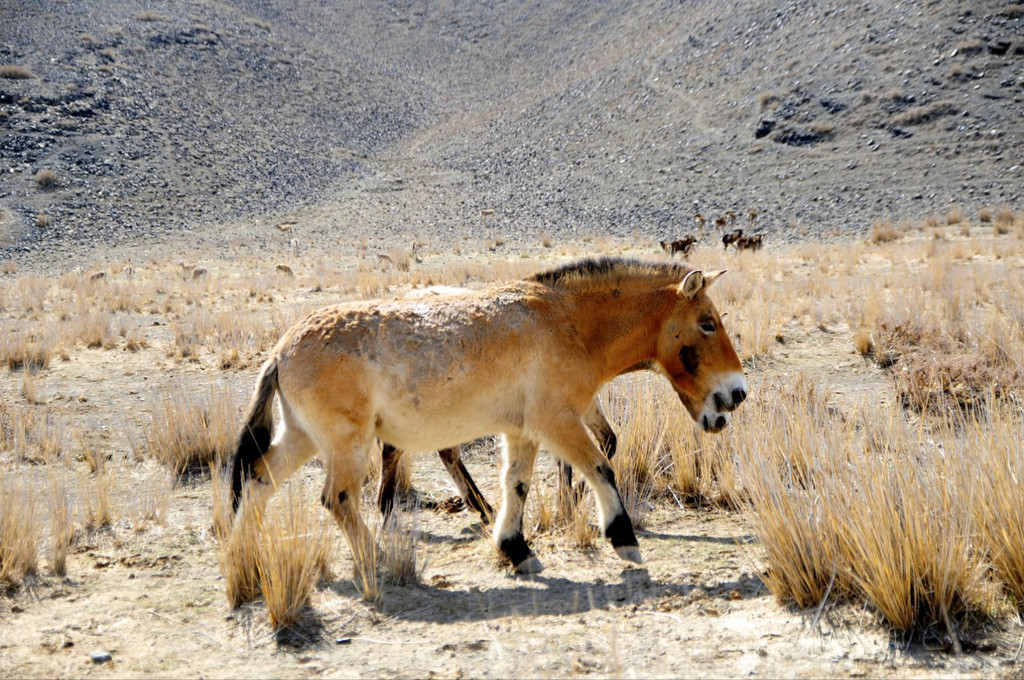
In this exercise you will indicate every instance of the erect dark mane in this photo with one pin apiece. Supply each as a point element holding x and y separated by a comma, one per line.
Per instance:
<point>611,269</point>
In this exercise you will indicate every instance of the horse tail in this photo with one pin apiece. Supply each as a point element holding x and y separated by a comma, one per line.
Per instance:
<point>255,438</point>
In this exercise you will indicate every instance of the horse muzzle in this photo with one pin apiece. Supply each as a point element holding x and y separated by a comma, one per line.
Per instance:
<point>729,394</point>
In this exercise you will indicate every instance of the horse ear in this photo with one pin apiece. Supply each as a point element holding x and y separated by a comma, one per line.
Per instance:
<point>691,284</point>
<point>711,277</point>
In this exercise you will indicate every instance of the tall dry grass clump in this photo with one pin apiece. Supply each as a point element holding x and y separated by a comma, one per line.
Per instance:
<point>292,554</point>
<point>645,437</point>
<point>401,561</point>
<point>857,506</point>
<point>991,453</point>
<point>237,543</point>
<point>189,431</point>
<point>20,533</point>
<point>61,515</point>
<point>29,433</point>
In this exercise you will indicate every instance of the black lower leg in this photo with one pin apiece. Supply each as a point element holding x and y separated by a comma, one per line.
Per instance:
<point>515,549</point>
<point>390,457</point>
<point>620,530</point>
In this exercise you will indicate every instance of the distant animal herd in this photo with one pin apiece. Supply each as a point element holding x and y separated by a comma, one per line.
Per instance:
<point>734,237</point>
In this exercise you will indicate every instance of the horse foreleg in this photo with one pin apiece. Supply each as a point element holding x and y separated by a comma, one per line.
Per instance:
<point>603,432</point>
<point>573,444</point>
<point>518,456</point>
<point>467,487</point>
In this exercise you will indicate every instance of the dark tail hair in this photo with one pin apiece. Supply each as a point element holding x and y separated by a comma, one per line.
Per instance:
<point>255,438</point>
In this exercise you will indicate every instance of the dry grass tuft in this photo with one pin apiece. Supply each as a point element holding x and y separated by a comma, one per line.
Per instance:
<point>883,231</point>
<point>62,528</point>
<point>992,456</point>
<point>237,542</point>
<point>400,561</point>
<point>292,554</point>
<point>16,72</point>
<point>188,432</point>
<point>20,533</point>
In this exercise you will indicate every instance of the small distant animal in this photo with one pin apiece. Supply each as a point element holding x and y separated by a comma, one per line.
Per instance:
<point>284,227</point>
<point>720,223</point>
<point>284,269</point>
<point>97,276</point>
<point>731,216</point>
<point>384,259</point>
<point>198,273</point>
<point>752,216</point>
<point>683,245</point>
<point>487,212</point>
<point>731,237</point>
<point>749,243</point>
<point>701,222</point>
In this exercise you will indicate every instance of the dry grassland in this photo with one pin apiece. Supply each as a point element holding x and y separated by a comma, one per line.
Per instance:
<point>874,479</point>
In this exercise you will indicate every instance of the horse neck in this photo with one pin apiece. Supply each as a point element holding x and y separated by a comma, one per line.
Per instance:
<point>621,330</point>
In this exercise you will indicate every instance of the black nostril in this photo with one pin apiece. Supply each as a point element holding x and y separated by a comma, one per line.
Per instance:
<point>720,422</point>
<point>738,395</point>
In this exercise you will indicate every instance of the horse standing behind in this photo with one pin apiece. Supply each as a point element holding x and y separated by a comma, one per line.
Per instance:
<point>525,359</point>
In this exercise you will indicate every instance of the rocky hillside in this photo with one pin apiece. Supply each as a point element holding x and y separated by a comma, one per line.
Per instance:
<point>125,120</point>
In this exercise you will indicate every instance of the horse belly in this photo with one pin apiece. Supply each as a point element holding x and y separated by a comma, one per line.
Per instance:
<point>425,423</point>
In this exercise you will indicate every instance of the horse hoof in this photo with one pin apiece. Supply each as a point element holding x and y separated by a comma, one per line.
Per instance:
<point>531,565</point>
<point>630,553</point>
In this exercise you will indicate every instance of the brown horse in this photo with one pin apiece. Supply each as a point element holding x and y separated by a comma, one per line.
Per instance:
<point>524,359</point>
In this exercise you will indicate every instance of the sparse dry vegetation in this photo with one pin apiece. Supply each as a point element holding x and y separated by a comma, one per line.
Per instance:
<point>904,505</point>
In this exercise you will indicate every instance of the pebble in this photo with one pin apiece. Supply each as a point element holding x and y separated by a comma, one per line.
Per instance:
<point>100,656</point>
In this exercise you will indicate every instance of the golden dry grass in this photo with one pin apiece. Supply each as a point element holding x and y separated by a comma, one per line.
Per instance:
<point>908,504</point>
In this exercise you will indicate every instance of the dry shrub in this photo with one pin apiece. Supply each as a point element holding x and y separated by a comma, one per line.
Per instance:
<point>933,371</point>
<point>292,554</point>
<point>919,115</point>
<point>984,215</point>
<point>883,231</point>
<point>907,540</point>
<point>97,509</point>
<point>15,72</point>
<point>189,431</point>
<point>96,329</point>
<point>46,179</point>
<point>955,215</point>
<point>151,496</point>
<point>20,533</point>
<point>872,517</point>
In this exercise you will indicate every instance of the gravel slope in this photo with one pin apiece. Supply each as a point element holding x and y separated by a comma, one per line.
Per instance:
<point>164,120</point>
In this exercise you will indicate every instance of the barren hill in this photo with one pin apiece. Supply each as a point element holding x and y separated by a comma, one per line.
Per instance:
<point>385,120</point>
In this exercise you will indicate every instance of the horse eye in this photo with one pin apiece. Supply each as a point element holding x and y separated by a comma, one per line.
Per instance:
<point>707,327</point>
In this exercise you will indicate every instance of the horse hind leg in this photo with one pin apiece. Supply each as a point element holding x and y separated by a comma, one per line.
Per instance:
<point>290,449</point>
<point>346,466</point>
<point>452,460</point>
<point>518,456</point>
